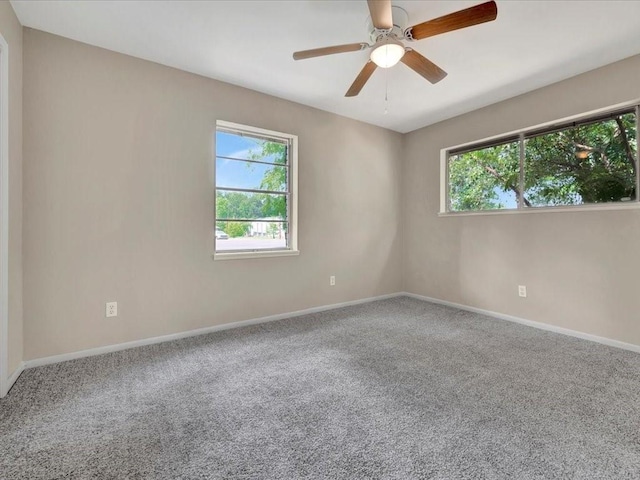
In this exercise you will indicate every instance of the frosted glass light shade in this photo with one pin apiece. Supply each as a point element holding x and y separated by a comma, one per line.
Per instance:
<point>387,54</point>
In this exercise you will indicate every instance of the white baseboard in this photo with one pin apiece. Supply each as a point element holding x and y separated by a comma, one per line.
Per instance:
<point>255,321</point>
<point>192,333</point>
<point>13,377</point>
<point>530,323</point>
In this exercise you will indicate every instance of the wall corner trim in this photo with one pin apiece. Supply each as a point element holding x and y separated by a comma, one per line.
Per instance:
<point>530,323</point>
<point>13,377</point>
<point>192,333</point>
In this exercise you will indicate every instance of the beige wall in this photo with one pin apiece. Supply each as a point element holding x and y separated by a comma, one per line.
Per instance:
<point>119,202</point>
<point>580,268</point>
<point>118,205</point>
<point>11,30</point>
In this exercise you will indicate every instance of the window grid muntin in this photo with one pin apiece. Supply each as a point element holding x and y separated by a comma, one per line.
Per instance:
<point>273,138</point>
<point>283,165</point>
<point>253,190</point>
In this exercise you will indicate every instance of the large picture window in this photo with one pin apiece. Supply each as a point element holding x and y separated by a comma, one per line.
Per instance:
<point>590,161</point>
<point>255,204</point>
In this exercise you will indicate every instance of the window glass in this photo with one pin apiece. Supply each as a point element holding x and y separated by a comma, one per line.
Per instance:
<point>250,175</point>
<point>484,179</point>
<point>589,163</point>
<point>251,236</point>
<point>239,145</point>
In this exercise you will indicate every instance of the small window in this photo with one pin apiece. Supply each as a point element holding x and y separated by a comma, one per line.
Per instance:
<point>255,203</point>
<point>590,161</point>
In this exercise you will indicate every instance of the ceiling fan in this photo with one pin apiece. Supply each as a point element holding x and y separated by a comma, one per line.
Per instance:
<point>387,29</point>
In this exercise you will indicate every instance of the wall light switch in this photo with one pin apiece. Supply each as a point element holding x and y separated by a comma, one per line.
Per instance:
<point>522,290</point>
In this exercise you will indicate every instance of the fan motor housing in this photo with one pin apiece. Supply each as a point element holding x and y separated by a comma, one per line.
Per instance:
<point>400,23</point>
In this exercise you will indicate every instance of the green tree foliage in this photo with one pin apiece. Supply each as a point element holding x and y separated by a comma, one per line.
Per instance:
<point>586,164</point>
<point>236,229</point>
<point>274,179</point>
<point>590,163</point>
<point>477,178</point>
<point>274,230</point>
<point>237,205</point>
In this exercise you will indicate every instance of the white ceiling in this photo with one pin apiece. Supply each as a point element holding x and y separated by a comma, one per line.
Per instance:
<point>249,43</point>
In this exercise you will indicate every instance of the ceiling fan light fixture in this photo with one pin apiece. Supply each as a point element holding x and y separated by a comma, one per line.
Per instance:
<point>387,53</point>
<point>387,28</point>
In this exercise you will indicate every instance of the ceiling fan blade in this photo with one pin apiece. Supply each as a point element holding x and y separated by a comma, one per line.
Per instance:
<point>319,52</point>
<point>422,66</point>
<point>381,14</point>
<point>485,12</point>
<point>361,79</point>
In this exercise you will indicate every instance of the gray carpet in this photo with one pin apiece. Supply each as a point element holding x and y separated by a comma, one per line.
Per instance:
<point>396,389</point>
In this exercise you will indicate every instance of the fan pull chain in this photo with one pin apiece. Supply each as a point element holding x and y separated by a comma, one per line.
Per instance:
<point>386,92</point>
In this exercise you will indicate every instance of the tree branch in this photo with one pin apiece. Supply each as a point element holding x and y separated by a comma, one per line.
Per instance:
<point>627,146</point>
<point>510,186</point>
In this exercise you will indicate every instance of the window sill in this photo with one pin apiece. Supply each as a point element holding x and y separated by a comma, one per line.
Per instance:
<point>266,254</point>
<point>575,208</point>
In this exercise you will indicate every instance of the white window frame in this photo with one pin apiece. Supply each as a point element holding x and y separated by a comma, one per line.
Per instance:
<point>292,214</point>
<point>520,209</point>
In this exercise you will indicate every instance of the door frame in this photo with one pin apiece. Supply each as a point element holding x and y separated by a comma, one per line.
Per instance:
<point>4,217</point>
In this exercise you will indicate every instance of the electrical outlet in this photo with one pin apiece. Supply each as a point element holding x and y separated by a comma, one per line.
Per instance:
<point>522,290</point>
<point>332,280</point>
<point>112,309</point>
